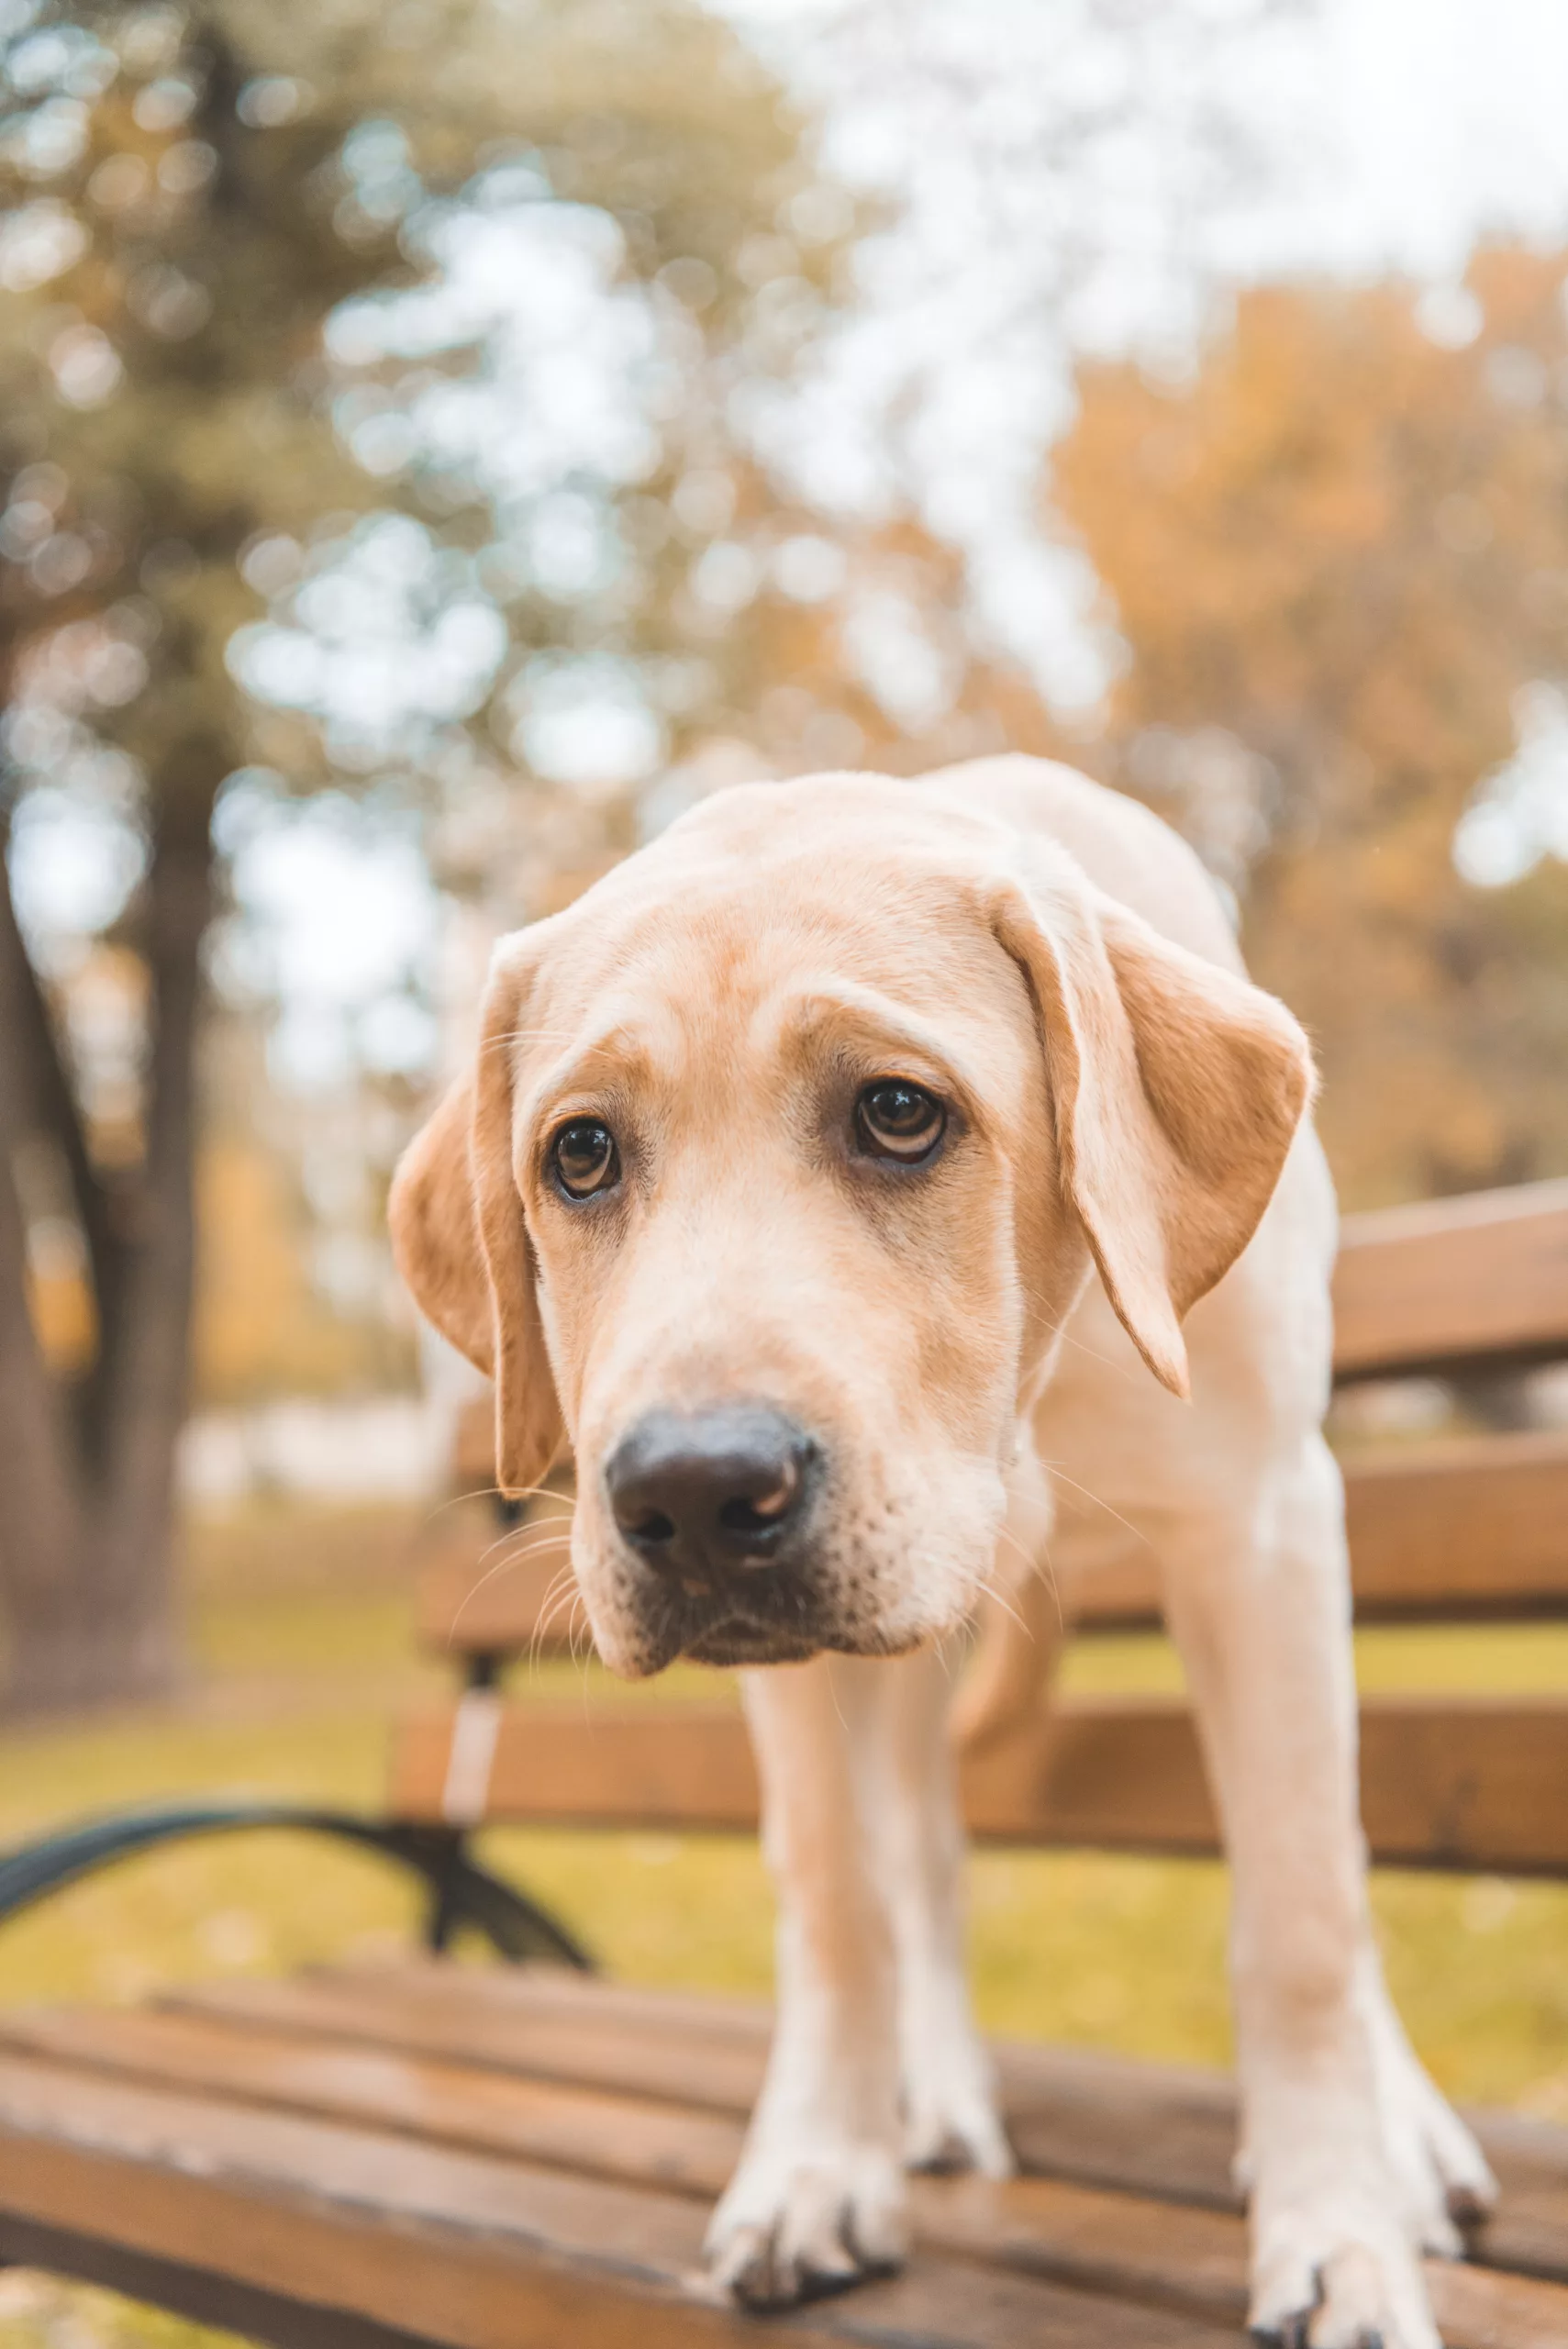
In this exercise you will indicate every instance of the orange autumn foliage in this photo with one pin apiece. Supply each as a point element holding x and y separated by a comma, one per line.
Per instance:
<point>1336,557</point>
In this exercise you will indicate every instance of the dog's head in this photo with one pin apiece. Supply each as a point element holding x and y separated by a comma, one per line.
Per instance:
<point>786,1156</point>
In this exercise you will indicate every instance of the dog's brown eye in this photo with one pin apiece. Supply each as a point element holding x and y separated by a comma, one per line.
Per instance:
<point>584,1158</point>
<point>899,1120</point>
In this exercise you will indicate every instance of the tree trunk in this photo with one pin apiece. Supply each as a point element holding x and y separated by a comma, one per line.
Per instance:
<point>146,1345</point>
<point>41,1485</point>
<point>87,1472</point>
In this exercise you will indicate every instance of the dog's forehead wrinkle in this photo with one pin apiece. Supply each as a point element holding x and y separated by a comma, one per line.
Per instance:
<point>738,973</point>
<point>829,1010</point>
<point>604,1039</point>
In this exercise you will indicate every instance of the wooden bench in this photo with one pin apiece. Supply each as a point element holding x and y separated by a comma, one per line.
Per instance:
<point>481,2157</point>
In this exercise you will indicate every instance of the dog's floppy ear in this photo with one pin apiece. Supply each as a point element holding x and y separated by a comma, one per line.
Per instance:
<point>432,1216</point>
<point>529,1431</point>
<point>462,1245</point>
<point>1177,1087</point>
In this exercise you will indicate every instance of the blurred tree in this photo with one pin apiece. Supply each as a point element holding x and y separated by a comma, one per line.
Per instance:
<point>1339,556</point>
<point>192,192</point>
<point>267,1323</point>
<point>167,259</point>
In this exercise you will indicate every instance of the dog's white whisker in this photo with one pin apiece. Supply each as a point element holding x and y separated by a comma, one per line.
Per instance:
<point>515,1538</point>
<point>501,1566</point>
<point>456,1501</point>
<point>563,1586</point>
<point>1055,1468</point>
<point>1060,1330</point>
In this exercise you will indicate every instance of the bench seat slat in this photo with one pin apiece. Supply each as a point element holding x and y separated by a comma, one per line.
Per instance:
<point>1158,2131</point>
<point>1124,2247</point>
<point>1463,1783</point>
<point>456,2248</point>
<point>430,2244</point>
<point>1108,2242</point>
<point>1122,2125</point>
<point>570,2127</point>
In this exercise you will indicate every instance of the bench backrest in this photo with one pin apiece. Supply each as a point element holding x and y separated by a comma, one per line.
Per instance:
<point>1461,1528</point>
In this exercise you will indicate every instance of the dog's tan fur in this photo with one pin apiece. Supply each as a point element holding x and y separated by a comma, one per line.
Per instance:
<point>1126,1139</point>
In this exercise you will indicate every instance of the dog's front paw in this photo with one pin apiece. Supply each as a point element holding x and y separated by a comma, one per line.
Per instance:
<point>1339,2280</point>
<point>951,2120</point>
<point>1444,2183</point>
<point>796,2222</point>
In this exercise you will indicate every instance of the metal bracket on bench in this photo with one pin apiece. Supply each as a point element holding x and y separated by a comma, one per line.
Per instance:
<point>465,1892</point>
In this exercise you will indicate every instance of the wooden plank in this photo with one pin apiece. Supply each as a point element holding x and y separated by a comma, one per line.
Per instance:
<point>460,2249</point>
<point>691,1767</point>
<point>443,2247</point>
<point>201,2295</point>
<point>1476,1526</point>
<point>1110,2243</point>
<point>569,2127</point>
<point>444,2013</point>
<point>1158,2130</point>
<point>1454,1284</point>
<point>1449,1782</point>
<point>1466,1529</point>
<point>1161,2131</point>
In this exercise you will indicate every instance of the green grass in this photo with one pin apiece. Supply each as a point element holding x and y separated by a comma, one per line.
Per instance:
<point>302,1652</point>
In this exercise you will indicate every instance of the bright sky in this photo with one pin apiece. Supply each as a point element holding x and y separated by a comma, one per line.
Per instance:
<point>1450,116</point>
<point>1436,119</point>
<point>1400,131</point>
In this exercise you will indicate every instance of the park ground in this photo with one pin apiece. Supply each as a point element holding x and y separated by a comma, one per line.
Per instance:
<point>300,1654</point>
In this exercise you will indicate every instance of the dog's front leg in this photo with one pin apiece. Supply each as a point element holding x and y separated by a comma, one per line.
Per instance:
<point>1346,2169</point>
<point>818,2197</point>
<point>950,2116</point>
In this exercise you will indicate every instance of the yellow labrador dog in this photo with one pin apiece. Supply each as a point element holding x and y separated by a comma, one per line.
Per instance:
<point>831,1172</point>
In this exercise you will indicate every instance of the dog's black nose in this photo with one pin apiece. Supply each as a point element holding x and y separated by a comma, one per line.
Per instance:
<point>702,1496</point>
